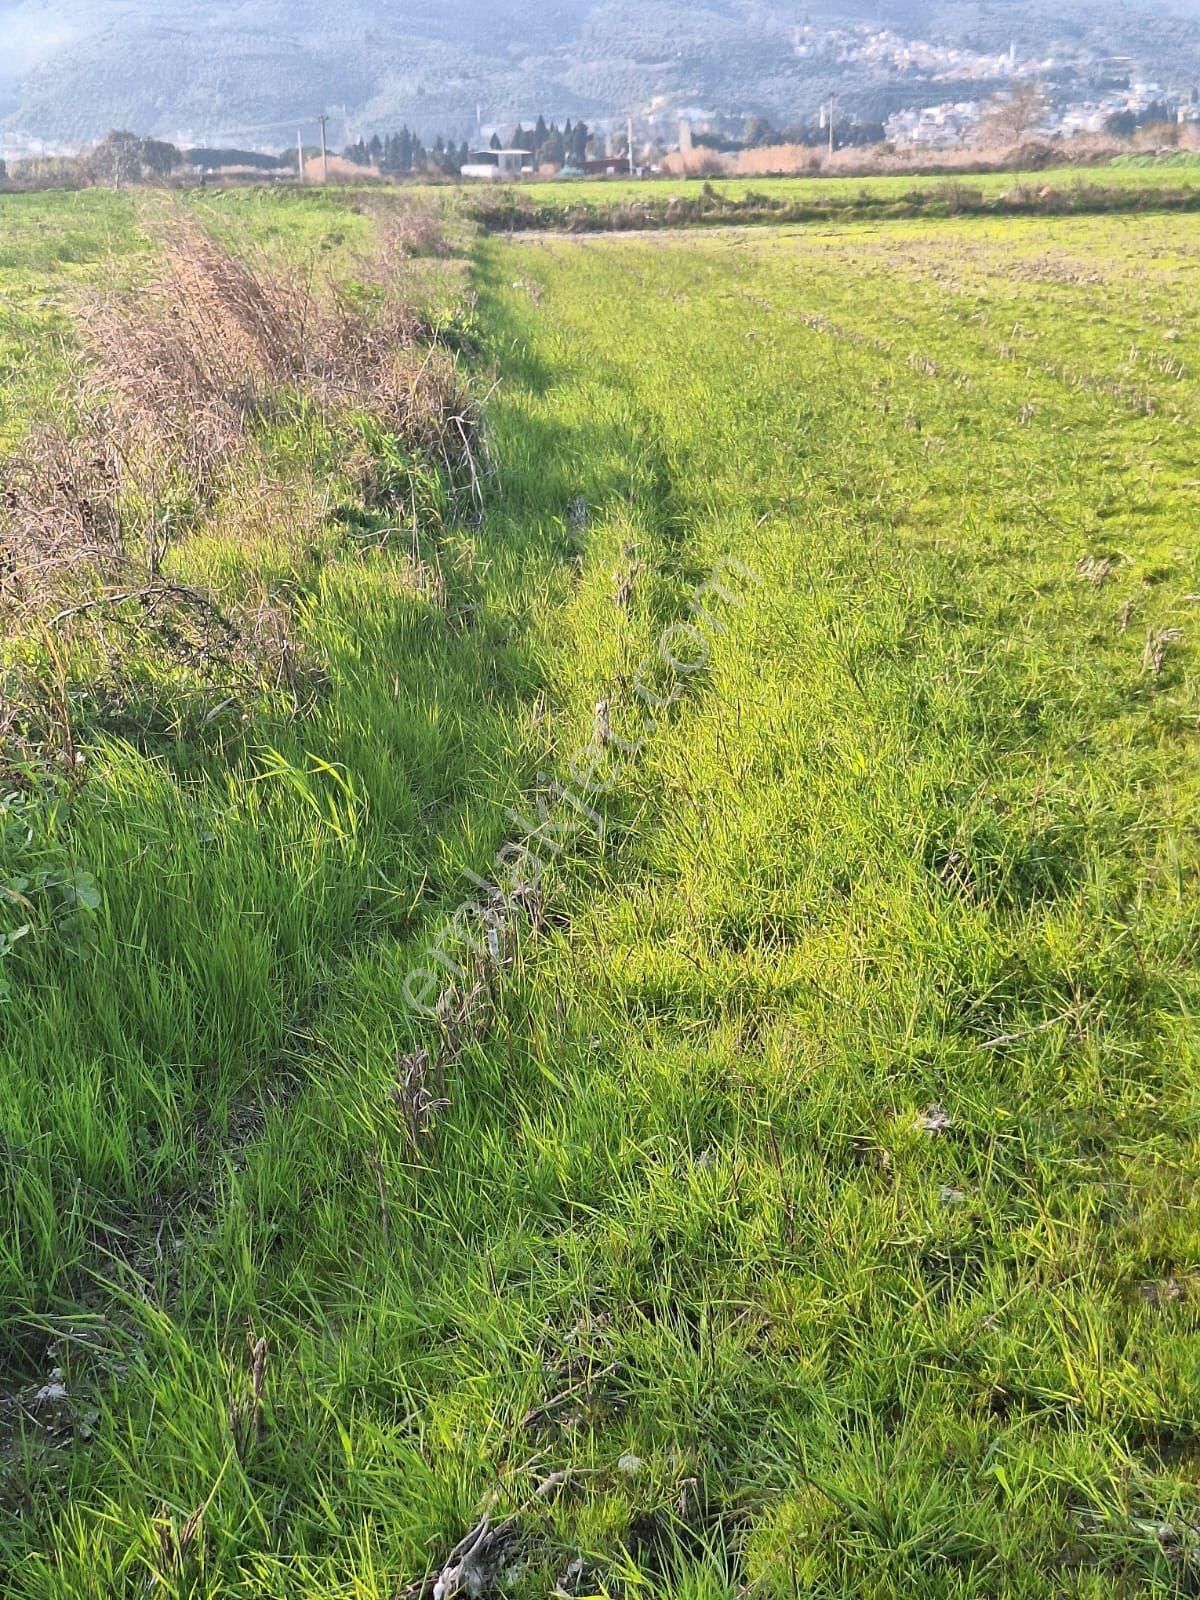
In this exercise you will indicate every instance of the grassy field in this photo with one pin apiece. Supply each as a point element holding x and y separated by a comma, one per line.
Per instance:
<point>1125,173</point>
<point>794,1188</point>
<point>616,204</point>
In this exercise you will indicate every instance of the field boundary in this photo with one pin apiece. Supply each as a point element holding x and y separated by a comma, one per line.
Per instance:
<point>512,213</point>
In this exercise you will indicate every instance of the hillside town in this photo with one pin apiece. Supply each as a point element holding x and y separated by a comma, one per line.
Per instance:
<point>1121,111</point>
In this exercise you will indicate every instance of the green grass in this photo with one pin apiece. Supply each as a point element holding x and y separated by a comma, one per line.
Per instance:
<point>919,831</point>
<point>1126,172</point>
<point>623,204</point>
<point>1162,160</point>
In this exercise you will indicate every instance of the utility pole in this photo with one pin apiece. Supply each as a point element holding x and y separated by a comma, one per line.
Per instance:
<point>299,157</point>
<point>629,136</point>
<point>832,106</point>
<point>323,119</point>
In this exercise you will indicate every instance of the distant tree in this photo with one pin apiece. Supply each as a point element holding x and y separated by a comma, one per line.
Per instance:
<point>758,131</point>
<point>1158,115</point>
<point>1011,119</point>
<point>403,152</point>
<point>115,160</point>
<point>160,158</point>
<point>553,150</point>
<point>448,158</point>
<point>577,144</point>
<point>1161,134</point>
<point>540,133</point>
<point>495,142</point>
<point>122,157</point>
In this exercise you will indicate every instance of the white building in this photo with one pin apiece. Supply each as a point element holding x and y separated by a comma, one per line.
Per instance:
<point>934,127</point>
<point>498,165</point>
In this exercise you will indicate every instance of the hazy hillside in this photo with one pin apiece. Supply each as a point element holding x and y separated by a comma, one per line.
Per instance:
<point>211,69</point>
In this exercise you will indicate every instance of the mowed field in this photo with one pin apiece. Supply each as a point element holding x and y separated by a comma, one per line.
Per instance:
<point>795,1188</point>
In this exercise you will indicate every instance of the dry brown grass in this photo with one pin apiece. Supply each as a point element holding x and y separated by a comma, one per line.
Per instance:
<point>185,362</point>
<point>60,518</point>
<point>699,163</point>
<point>414,228</point>
<point>178,378</point>
<point>782,160</point>
<point>984,154</point>
<point>337,170</point>
<point>189,365</point>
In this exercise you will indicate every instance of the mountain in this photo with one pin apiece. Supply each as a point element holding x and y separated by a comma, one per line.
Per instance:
<point>219,71</point>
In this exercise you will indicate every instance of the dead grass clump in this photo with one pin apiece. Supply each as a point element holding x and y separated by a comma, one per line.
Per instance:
<point>350,336</point>
<point>212,345</point>
<point>215,344</point>
<point>333,169</point>
<point>1158,642</point>
<point>414,405</point>
<point>411,230</point>
<point>87,667</point>
<point>61,529</point>
<point>246,1407</point>
<point>187,363</point>
<point>180,378</point>
<point>239,322</point>
<point>155,661</point>
<point>406,226</point>
<point>98,636</point>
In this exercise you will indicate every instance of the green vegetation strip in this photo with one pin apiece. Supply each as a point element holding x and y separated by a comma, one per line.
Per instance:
<point>622,206</point>
<point>797,1193</point>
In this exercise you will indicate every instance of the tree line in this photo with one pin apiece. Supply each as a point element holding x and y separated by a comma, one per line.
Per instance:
<point>551,145</point>
<point>405,151</point>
